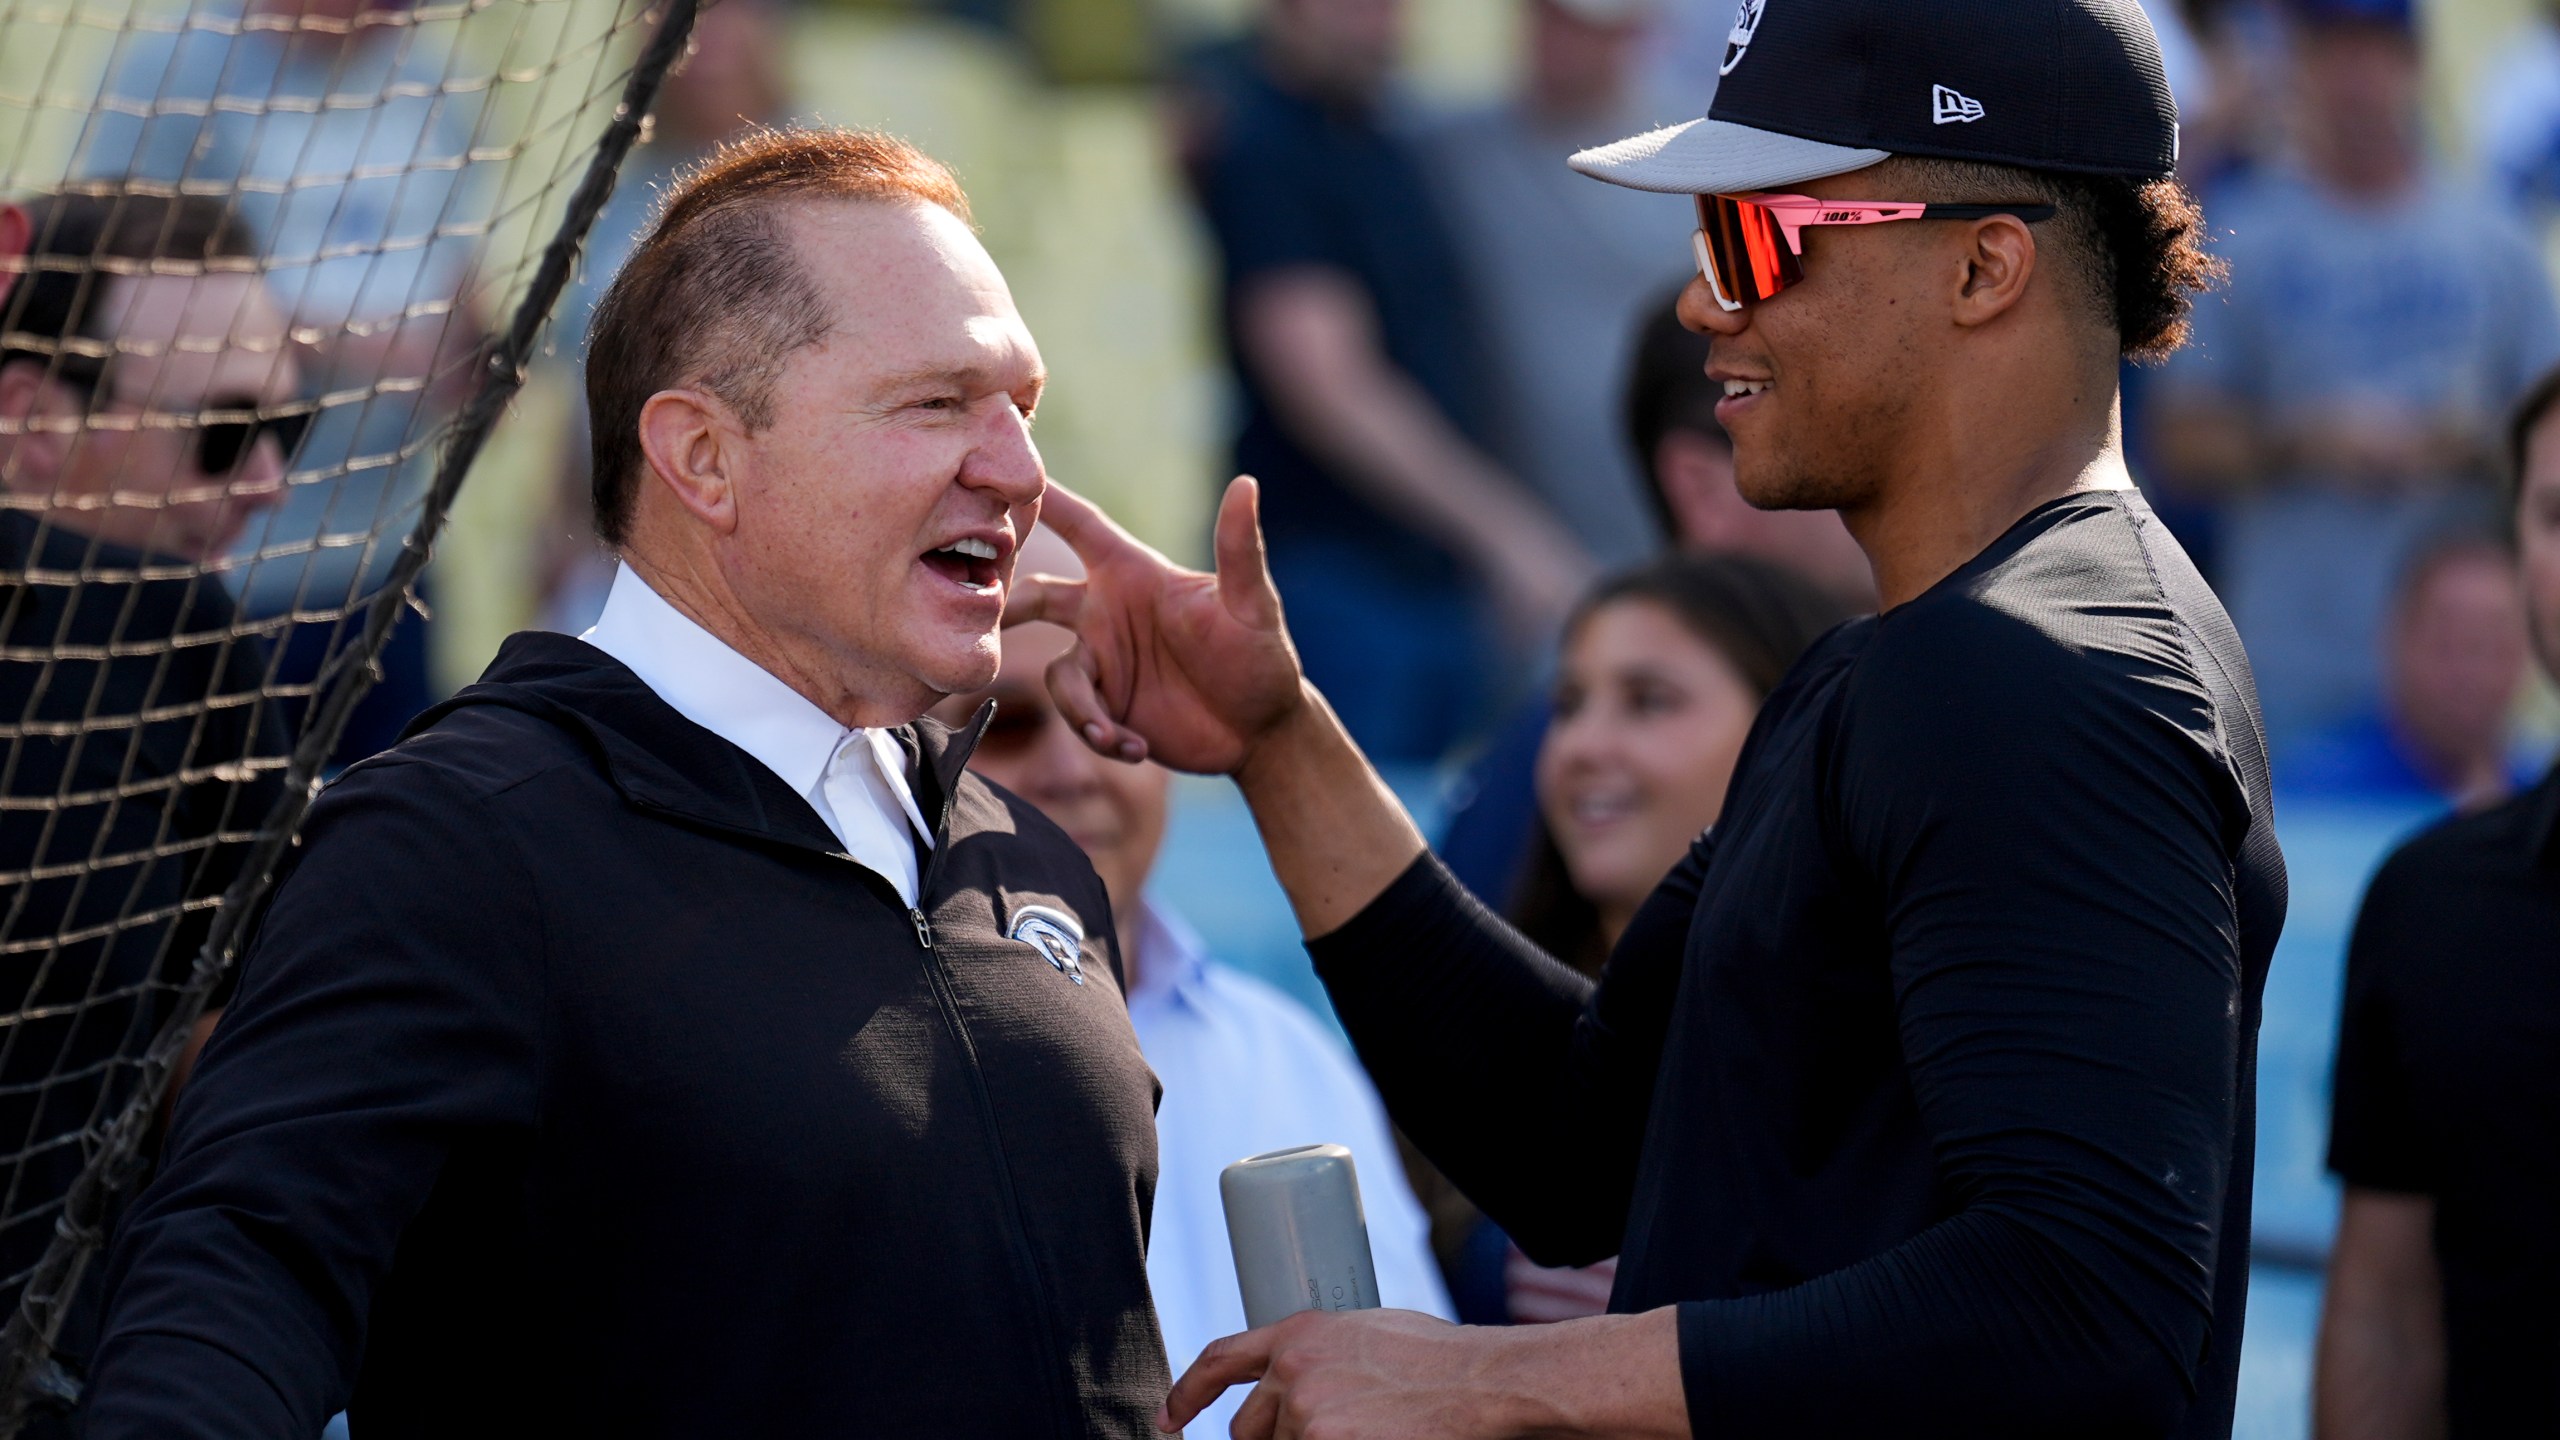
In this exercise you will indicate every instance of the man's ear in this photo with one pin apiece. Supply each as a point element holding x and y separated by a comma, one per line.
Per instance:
<point>693,441</point>
<point>36,429</point>
<point>2000,259</point>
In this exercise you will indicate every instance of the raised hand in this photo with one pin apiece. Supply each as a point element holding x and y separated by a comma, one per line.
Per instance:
<point>1188,668</point>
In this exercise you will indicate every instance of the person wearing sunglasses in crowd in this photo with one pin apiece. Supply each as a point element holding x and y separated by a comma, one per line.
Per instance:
<point>145,419</point>
<point>1917,1100</point>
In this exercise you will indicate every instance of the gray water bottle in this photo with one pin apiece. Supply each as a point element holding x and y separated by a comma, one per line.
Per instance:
<point>1300,1239</point>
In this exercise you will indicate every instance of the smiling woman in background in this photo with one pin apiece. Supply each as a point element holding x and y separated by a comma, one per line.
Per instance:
<point>1663,671</point>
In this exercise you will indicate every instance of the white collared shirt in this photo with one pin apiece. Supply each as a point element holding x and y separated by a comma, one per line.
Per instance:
<point>1246,1069</point>
<point>856,779</point>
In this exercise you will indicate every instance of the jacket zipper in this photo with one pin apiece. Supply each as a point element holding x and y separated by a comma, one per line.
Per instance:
<point>1018,1233</point>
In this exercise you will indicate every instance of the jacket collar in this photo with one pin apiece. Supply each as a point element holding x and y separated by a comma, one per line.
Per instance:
<point>660,761</point>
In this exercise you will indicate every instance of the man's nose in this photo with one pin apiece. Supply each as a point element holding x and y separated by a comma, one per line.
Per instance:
<point>1005,460</point>
<point>1700,311</point>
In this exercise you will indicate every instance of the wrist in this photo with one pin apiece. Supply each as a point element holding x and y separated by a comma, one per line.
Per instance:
<point>1612,1375</point>
<point>1283,747</point>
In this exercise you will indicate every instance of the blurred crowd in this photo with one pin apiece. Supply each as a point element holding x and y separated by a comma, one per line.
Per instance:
<point>1500,509</point>
<point>1434,340</point>
<point>1447,357</point>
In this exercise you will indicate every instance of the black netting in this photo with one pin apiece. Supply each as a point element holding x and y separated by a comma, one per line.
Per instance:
<point>286,262</point>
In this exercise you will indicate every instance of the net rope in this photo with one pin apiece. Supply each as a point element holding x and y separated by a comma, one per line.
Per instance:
<point>184,636</point>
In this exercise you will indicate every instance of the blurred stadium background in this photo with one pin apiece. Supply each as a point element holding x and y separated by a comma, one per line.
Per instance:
<point>1048,110</point>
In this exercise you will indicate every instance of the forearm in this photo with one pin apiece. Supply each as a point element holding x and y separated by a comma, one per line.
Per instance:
<point>1609,1375</point>
<point>1335,834</point>
<point>1527,1087</point>
<point>1311,337</point>
<point>1979,1328</point>
<point>2380,1371</point>
<point>2378,1380</point>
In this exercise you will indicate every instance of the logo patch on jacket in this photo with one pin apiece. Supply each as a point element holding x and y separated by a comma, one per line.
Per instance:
<point>1057,935</point>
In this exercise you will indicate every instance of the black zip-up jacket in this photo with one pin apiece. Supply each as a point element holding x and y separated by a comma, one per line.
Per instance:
<point>577,1085</point>
<point>139,762</point>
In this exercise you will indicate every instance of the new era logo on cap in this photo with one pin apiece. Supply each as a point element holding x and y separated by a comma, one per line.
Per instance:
<point>1811,88</point>
<point>1952,107</point>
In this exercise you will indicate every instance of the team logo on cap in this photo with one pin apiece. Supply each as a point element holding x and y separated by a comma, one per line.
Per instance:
<point>1951,107</point>
<point>1746,23</point>
<point>1056,935</point>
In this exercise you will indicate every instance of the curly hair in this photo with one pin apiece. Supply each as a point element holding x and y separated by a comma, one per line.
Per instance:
<point>2136,246</point>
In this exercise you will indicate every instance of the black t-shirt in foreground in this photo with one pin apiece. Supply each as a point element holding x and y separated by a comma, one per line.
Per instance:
<point>2448,1085</point>
<point>1923,1086</point>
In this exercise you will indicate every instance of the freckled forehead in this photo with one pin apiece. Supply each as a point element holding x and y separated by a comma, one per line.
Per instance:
<point>911,288</point>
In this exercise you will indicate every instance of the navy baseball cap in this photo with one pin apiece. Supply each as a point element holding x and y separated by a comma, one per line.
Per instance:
<point>1809,88</point>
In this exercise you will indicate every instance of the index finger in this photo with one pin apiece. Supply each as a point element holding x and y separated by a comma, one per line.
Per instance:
<point>1092,534</point>
<point>1235,1360</point>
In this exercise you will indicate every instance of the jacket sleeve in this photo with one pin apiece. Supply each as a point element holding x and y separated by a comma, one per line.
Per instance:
<point>387,1019</point>
<point>2053,840</point>
<point>1524,1082</point>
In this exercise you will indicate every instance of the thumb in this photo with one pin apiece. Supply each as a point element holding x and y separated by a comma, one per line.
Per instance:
<point>1244,565</point>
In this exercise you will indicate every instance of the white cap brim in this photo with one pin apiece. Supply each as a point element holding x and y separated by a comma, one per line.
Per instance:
<point>1717,157</point>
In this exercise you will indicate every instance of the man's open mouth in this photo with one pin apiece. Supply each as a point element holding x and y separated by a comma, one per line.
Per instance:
<point>968,561</point>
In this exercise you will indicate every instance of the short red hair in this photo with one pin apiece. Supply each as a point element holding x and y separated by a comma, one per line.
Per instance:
<point>713,294</point>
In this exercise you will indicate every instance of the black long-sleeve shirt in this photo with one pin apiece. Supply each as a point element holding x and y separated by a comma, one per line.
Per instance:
<point>1923,1086</point>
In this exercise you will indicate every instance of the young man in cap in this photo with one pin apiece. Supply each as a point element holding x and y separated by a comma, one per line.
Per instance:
<point>1917,1102</point>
